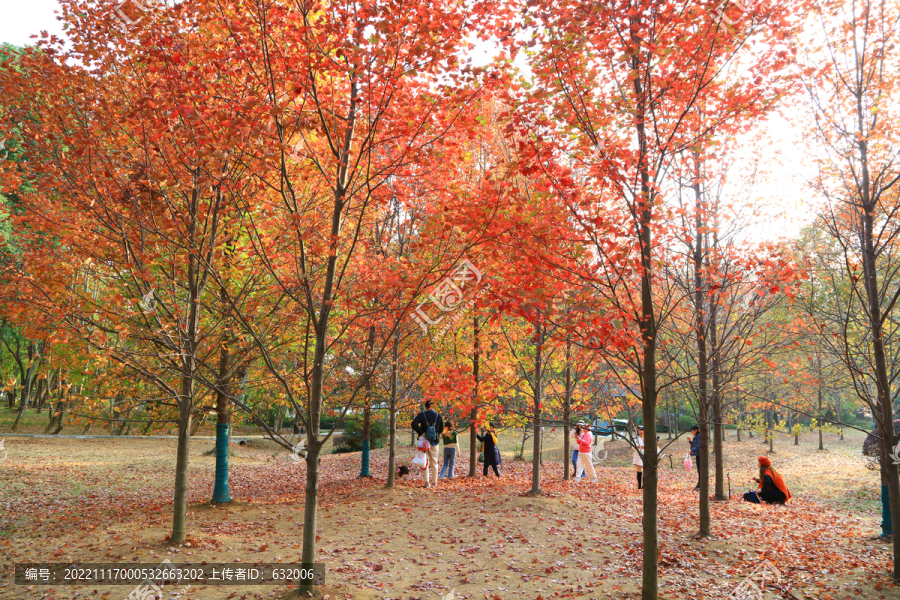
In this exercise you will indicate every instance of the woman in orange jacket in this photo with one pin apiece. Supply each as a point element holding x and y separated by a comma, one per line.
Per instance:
<point>772,488</point>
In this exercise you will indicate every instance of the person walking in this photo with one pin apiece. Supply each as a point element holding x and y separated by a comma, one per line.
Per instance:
<point>585,445</point>
<point>491,451</point>
<point>638,460</point>
<point>695,449</point>
<point>427,424</point>
<point>451,447</point>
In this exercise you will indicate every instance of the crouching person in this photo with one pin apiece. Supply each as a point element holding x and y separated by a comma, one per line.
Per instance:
<point>772,489</point>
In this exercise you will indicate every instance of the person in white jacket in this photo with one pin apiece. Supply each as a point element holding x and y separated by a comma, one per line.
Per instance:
<point>585,443</point>
<point>637,460</point>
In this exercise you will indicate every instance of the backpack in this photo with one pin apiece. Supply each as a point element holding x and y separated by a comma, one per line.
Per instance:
<point>430,433</point>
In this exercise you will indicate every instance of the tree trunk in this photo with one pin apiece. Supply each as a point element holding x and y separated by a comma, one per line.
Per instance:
<point>536,458</point>
<point>392,428</point>
<point>221,491</point>
<point>567,410</point>
<point>702,365</point>
<point>650,563</point>
<point>317,376</point>
<point>718,425</point>
<point>840,419</point>
<point>821,441</point>
<point>368,373</point>
<point>60,424</point>
<point>24,399</point>
<point>185,414</point>
<point>668,417</point>
<point>882,382</point>
<point>311,506</point>
<point>521,454</point>
<point>473,414</point>
<point>366,444</point>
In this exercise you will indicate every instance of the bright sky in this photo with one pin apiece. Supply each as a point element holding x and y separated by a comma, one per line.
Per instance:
<point>783,192</point>
<point>22,19</point>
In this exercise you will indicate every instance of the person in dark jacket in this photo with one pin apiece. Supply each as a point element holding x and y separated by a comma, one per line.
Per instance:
<point>695,450</point>
<point>424,421</point>
<point>772,488</point>
<point>491,451</point>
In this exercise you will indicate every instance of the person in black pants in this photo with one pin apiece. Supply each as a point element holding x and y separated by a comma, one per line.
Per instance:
<point>430,419</point>
<point>695,450</point>
<point>491,451</point>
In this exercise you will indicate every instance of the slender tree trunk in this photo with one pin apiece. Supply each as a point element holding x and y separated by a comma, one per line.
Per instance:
<point>668,417</point>
<point>702,365</point>
<point>567,409</point>
<point>185,414</point>
<point>521,454</point>
<point>367,410</point>
<point>882,382</point>
<point>366,442</point>
<point>24,398</point>
<point>650,563</point>
<point>821,441</point>
<point>718,426</point>
<point>840,419</point>
<point>538,401</point>
<point>473,414</point>
<point>318,371</point>
<point>392,428</point>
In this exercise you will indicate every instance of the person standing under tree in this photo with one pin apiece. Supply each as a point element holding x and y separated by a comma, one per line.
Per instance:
<point>491,451</point>
<point>451,447</point>
<point>585,443</point>
<point>427,424</point>
<point>695,449</point>
<point>638,461</point>
<point>575,451</point>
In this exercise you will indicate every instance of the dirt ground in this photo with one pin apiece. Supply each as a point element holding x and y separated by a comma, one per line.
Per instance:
<point>103,500</point>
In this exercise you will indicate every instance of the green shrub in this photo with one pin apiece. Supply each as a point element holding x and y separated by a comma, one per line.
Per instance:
<point>352,438</point>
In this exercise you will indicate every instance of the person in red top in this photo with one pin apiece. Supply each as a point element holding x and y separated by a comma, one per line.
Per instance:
<point>585,442</point>
<point>772,488</point>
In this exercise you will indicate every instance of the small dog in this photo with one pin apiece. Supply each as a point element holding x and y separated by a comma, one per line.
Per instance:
<point>401,471</point>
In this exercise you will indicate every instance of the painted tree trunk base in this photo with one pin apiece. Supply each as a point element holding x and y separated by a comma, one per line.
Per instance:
<point>221,492</point>
<point>364,466</point>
